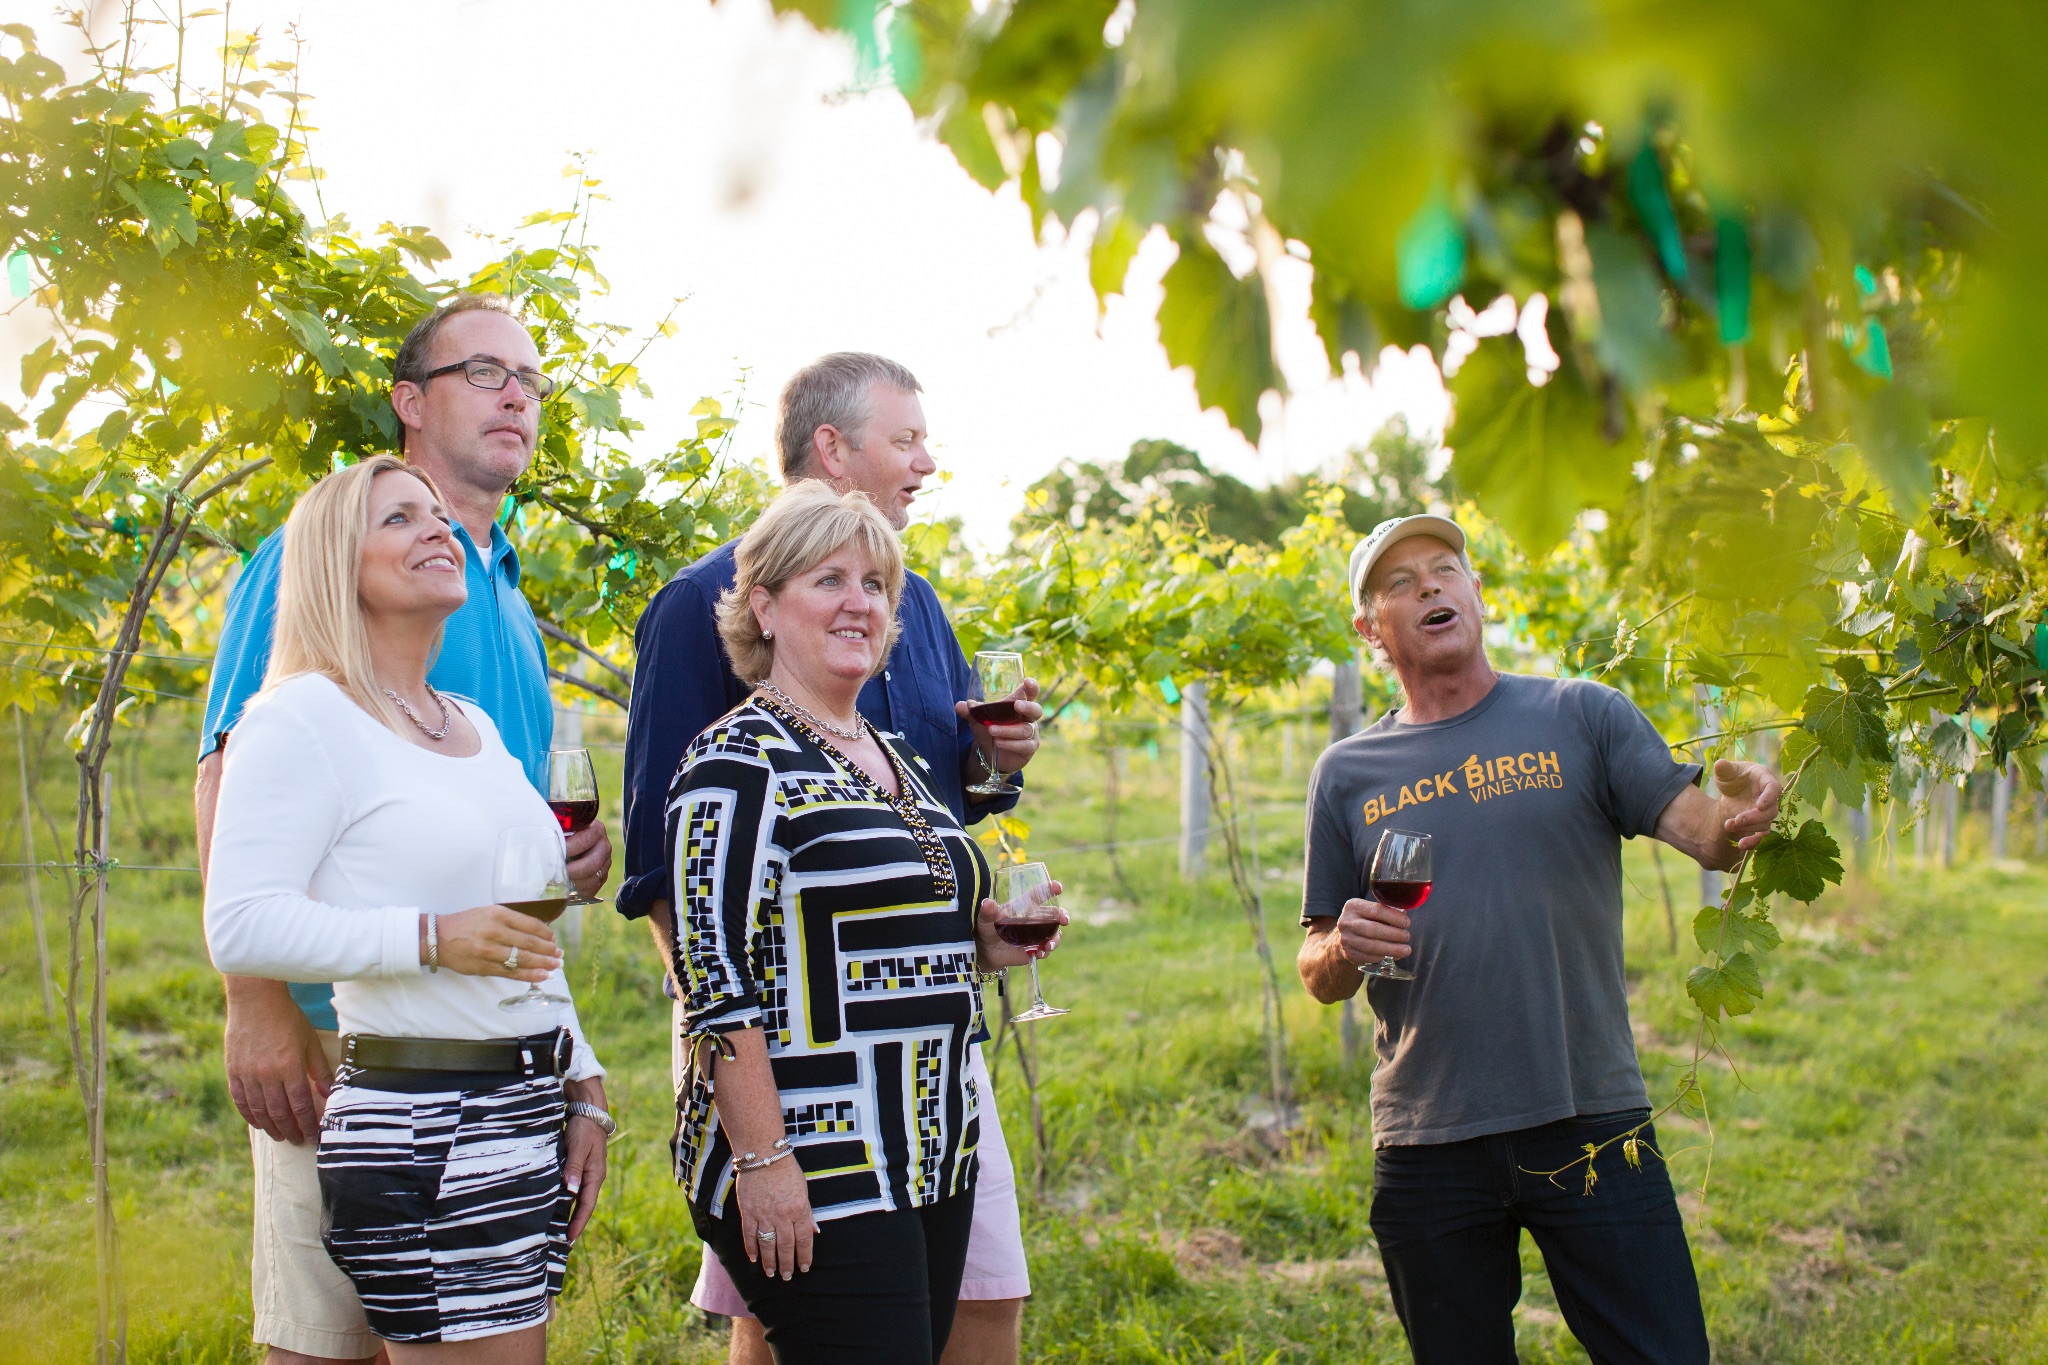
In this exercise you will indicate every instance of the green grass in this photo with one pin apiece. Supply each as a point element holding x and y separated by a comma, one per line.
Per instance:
<point>1876,1167</point>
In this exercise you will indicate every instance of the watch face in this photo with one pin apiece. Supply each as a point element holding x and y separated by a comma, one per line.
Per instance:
<point>565,1052</point>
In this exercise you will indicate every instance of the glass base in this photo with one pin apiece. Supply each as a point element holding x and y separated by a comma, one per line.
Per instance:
<point>532,1002</point>
<point>1388,970</point>
<point>1038,1011</point>
<point>993,787</point>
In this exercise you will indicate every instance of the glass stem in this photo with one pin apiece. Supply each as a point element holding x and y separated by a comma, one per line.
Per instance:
<point>1037,995</point>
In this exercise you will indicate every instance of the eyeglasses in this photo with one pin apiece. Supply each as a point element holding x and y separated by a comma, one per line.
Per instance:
<point>489,374</point>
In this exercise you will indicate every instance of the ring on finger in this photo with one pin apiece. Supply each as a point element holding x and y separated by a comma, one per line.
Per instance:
<point>766,1234</point>
<point>512,959</point>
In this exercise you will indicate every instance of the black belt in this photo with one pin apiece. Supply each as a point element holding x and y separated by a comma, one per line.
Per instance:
<point>546,1054</point>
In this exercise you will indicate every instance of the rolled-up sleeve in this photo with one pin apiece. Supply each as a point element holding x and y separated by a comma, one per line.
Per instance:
<point>680,685</point>
<point>721,818</point>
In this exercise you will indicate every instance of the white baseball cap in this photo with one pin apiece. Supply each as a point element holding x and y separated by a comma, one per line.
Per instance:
<point>1391,532</point>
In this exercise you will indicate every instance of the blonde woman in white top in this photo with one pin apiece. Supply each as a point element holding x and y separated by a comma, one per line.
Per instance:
<point>359,815</point>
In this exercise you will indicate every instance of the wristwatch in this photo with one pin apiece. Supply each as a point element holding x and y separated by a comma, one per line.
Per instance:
<point>581,1109</point>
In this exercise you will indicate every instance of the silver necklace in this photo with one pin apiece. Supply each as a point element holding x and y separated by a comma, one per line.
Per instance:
<point>446,719</point>
<point>860,722</point>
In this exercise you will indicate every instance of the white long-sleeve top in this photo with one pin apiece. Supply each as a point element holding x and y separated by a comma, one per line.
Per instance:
<point>333,835</point>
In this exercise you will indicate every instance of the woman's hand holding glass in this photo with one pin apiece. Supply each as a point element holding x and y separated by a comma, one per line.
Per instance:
<point>994,952</point>
<point>479,941</point>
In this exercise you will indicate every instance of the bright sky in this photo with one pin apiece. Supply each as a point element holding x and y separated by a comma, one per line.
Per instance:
<point>793,217</point>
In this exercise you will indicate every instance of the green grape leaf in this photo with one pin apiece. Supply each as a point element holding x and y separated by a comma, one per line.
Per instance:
<point>1633,343</point>
<point>1109,256</point>
<point>1532,457</point>
<point>1216,324</point>
<point>1849,723</point>
<point>1734,987</point>
<point>1801,866</point>
<point>1742,932</point>
<point>169,210</point>
<point>1342,319</point>
<point>1716,671</point>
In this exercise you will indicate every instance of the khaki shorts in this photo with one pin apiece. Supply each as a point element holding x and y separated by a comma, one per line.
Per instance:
<point>303,1303</point>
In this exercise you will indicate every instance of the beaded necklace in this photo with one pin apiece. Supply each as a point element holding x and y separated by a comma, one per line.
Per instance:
<point>936,860</point>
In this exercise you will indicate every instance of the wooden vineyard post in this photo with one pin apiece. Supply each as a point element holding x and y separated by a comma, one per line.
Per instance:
<point>1345,700</point>
<point>1946,794</point>
<point>30,877</point>
<point>1921,810</point>
<point>1194,780</point>
<point>2001,810</point>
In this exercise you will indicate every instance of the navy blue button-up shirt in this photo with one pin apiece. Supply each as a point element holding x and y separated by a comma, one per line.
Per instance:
<point>682,682</point>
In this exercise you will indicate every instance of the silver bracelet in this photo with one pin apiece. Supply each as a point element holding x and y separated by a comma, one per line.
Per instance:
<point>433,943</point>
<point>749,1161</point>
<point>583,1109</point>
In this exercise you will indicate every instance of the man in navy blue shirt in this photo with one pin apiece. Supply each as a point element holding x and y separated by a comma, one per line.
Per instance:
<point>853,420</point>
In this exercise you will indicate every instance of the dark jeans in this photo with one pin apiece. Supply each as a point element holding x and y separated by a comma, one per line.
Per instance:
<point>880,1291</point>
<point>1449,1218</point>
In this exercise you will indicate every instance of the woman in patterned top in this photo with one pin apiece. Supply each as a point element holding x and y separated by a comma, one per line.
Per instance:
<point>833,927</point>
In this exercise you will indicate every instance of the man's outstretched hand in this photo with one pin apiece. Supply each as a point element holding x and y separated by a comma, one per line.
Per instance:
<point>1750,794</point>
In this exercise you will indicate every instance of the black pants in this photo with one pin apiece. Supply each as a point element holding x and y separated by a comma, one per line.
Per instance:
<point>880,1291</point>
<point>1449,1219</point>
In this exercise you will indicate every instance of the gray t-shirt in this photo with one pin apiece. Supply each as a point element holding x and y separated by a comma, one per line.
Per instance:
<point>1518,1014</point>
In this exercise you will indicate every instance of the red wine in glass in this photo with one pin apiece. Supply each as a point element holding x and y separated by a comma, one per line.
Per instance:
<point>1000,675</point>
<point>1026,933</point>
<point>1400,895</point>
<point>1401,877</point>
<point>1027,918</point>
<point>572,795</point>
<point>574,815</point>
<point>1002,712</point>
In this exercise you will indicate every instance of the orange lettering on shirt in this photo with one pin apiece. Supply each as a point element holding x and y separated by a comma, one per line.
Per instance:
<point>1423,792</point>
<point>1547,762</point>
<point>1407,799</point>
<point>1526,764</point>
<point>1444,785</point>
<point>1475,774</point>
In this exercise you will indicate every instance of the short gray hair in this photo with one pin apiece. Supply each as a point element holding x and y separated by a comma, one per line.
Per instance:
<point>835,391</point>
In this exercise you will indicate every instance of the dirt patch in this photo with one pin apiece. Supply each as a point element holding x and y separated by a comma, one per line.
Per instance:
<point>1203,1252</point>
<point>1834,1259</point>
<point>1361,1265</point>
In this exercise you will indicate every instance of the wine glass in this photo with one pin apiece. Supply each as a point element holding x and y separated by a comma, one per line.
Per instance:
<point>572,796</point>
<point>1027,918</point>
<point>530,874</point>
<point>1400,878</point>
<point>1001,677</point>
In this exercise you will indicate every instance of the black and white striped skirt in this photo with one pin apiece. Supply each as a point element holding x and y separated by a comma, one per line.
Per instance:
<point>442,1199</point>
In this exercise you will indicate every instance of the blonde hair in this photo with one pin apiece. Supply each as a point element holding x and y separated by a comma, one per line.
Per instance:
<point>319,609</point>
<point>800,529</point>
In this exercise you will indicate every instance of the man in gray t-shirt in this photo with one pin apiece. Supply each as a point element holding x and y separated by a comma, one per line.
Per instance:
<point>1509,1051</point>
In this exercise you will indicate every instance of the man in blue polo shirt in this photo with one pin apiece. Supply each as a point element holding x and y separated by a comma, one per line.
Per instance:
<point>467,389</point>
<point>853,420</point>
